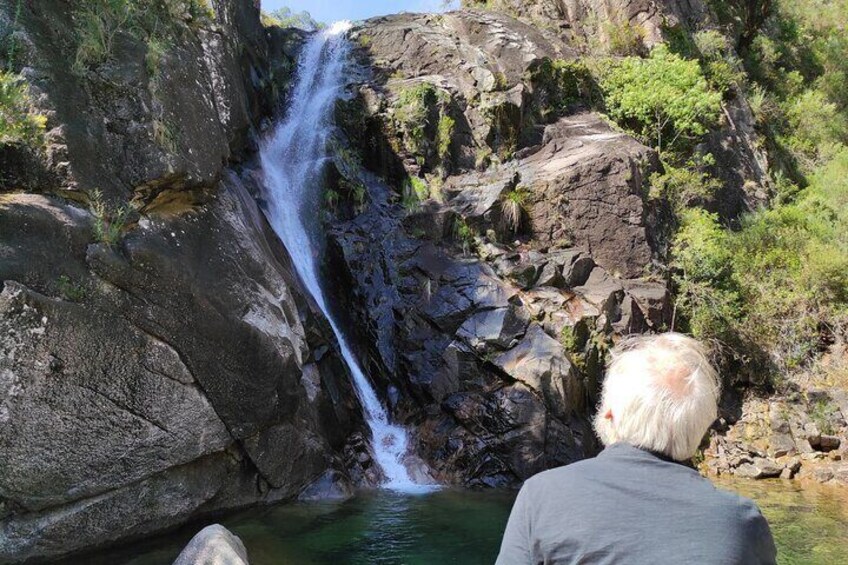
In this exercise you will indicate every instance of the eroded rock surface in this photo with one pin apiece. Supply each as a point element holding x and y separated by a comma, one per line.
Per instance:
<point>158,358</point>
<point>184,364</point>
<point>487,338</point>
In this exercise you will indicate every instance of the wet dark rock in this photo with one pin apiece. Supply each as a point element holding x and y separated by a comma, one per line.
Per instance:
<point>829,443</point>
<point>541,363</point>
<point>332,485</point>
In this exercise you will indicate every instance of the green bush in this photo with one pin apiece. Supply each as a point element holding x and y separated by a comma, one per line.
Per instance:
<point>463,234</point>
<point>661,99</point>
<point>70,290</point>
<point>683,186</point>
<point>414,192</point>
<point>707,292</point>
<point>20,124</point>
<point>624,38</point>
<point>778,284</point>
<point>817,126</point>
<point>413,111</point>
<point>557,84</point>
<point>285,17</point>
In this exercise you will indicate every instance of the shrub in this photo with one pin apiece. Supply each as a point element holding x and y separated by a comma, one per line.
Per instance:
<point>285,17</point>
<point>683,186</point>
<point>70,290</point>
<point>332,198</point>
<point>557,84</point>
<point>514,208</point>
<point>816,124</point>
<point>109,220</point>
<point>624,38</point>
<point>778,284</point>
<point>19,122</point>
<point>414,110</point>
<point>414,192</point>
<point>707,294</point>
<point>661,97</point>
<point>463,234</point>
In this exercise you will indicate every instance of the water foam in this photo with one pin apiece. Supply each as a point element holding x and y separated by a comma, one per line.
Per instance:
<point>292,161</point>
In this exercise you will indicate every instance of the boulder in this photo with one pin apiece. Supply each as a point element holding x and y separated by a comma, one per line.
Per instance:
<point>213,545</point>
<point>781,444</point>
<point>123,370</point>
<point>541,363</point>
<point>759,468</point>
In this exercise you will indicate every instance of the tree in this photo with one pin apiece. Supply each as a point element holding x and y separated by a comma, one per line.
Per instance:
<point>660,97</point>
<point>285,17</point>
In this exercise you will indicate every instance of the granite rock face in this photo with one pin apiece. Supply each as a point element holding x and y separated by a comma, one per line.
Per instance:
<point>174,368</point>
<point>183,366</point>
<point>486,337</point>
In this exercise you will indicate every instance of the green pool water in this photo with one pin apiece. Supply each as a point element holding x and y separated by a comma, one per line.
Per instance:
<point>810,525</point>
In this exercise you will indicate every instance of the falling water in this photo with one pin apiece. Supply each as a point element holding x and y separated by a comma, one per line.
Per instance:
<point>292,161</point>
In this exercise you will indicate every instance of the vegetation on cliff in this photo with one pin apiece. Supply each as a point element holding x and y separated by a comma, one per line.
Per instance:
<point>99,22</point>
<point>778,285</point>
<point>19,122</point>
<point>663,98</point>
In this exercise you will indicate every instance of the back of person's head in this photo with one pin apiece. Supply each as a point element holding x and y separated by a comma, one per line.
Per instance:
<point>660,393</point>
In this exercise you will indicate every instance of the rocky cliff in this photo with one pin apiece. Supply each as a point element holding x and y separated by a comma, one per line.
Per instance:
<point>490,268</point>
<point>490,235</point>
<point>158,358</point>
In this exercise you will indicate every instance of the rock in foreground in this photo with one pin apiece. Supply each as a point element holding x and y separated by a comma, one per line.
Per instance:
<point>213,545</point>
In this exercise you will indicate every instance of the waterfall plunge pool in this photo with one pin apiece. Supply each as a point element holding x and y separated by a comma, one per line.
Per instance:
<point>810,524</point>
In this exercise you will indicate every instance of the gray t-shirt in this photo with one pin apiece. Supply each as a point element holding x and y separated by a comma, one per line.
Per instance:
<point>630,506</point>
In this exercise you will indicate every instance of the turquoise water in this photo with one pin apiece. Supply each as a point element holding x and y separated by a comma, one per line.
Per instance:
<point>810,525</point>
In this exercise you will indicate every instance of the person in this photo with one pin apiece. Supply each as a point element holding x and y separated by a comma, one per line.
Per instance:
<point>640,500</point>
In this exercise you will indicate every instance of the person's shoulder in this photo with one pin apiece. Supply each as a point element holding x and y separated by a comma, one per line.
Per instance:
<point>561,475</point>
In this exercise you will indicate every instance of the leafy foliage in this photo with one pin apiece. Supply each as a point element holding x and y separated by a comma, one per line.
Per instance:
<point>70,290</point>
<point>445,136</point>
<point>624,38</point>
<point>557,84</point>
<point>19,121</point>
<point>685,185</point>
<point>707,291</point>
<point>781,282</point>
<point>463,234</point>
<point>414,192</point>
<point>286,17</point>
<point>661,97</point>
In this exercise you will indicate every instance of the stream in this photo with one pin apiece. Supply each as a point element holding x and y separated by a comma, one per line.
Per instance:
<point>809,522</point>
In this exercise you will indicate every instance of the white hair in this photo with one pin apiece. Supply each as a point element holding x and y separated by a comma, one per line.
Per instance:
<point>662,393</point>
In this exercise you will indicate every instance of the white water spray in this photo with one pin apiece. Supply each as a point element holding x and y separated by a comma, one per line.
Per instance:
<point>292,161</point>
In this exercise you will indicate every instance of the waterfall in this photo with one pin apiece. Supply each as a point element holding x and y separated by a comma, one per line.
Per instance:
<point>292,162</point>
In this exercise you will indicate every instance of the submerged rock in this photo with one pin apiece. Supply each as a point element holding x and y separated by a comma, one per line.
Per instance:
<point>213,545</point>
